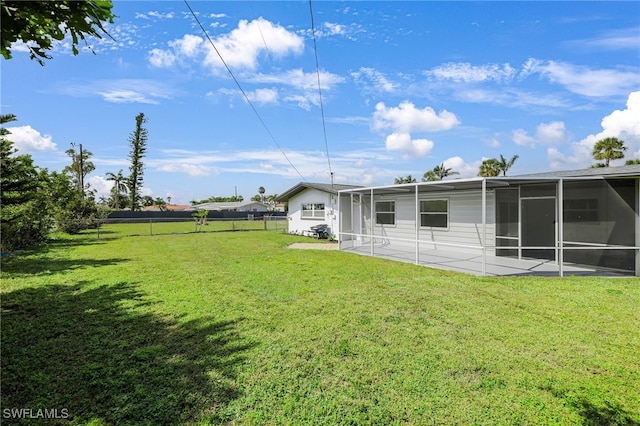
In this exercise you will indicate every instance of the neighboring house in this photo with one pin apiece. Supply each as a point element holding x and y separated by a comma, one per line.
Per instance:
<point>312,204</point>
<point>232,206</point>
<point>568,222</point>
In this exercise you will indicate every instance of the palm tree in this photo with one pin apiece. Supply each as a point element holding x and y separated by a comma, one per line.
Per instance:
<point>608,149</point>
<point>505,165</point>
<point>438,173</point>
<point>160,203</point>
<point>407,179</point>
<point>119,185</point>
<point>489,168</point>
<point>261,191</point>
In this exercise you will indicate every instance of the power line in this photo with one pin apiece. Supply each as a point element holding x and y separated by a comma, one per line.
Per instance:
<point>324,126</point>
<point>242,90</point>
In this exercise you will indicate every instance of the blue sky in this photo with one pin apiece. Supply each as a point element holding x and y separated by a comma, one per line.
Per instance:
<point>405,86</point>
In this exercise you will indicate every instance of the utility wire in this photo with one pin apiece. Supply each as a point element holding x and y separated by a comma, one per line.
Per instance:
<point>242,91</point>
<point>324,127</point>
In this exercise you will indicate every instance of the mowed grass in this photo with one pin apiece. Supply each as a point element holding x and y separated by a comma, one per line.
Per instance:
<point>236,328</point>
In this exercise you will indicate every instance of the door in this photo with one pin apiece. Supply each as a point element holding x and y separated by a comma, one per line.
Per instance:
<point>538,227</point>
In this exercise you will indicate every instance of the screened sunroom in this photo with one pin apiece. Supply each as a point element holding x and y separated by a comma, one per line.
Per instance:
<point>582,222</point>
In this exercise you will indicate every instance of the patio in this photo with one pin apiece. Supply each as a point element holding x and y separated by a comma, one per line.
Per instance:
<point>470,262</point>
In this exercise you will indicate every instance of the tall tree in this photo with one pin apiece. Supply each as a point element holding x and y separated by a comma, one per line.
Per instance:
<point>608,149</point>
<point>138,142</point>
<point>80,166</point>
<point>119,186</point>
<point>39,23</point>
<point>489,168</point>
<point>505,165</point>
<point>406,179</point>
<point>261,191</point>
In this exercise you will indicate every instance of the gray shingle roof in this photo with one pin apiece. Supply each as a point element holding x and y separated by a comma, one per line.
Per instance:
<point>325,187</point>
<point>633,170</point>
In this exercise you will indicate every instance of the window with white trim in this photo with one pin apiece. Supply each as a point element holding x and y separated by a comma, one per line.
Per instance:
<point>313,211</point>
<point>385,212</point>
<point>434,213</point>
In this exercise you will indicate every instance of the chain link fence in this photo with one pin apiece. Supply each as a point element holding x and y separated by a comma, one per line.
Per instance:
<point>105,228</point>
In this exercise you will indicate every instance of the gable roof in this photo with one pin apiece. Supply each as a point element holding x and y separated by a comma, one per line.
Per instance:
<point>324,187</point>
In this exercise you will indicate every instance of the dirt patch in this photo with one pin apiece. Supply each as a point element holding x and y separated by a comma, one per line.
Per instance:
<point>314,246</point>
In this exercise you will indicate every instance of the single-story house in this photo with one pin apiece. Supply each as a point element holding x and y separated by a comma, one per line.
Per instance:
<point>167,207</point>
<point>232,206</point>
<point>558,223</point>
<point>313,204</point>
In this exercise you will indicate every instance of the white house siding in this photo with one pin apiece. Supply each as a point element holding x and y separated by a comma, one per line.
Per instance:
<point>465,222</point>
<point>299,225</point>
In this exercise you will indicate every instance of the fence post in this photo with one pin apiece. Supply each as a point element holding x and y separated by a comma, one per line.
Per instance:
<point>151,226</point>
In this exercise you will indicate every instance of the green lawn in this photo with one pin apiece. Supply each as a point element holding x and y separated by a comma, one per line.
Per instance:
<point>235,328</point>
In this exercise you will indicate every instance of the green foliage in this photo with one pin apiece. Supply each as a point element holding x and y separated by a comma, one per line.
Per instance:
<point>39,23</point>
<point>406,179</point>
<point>119,186</point>
<point>439,172</point>
<point>489,168</point>
<point>236,328</point>
<point>632,162</point>
<point>138,142</point>
<point>201,218</point>
<point>218,199</point>
<point>492,167</point>
<point>80,166</point>
<point>24,220</point>
<point>608,149</point>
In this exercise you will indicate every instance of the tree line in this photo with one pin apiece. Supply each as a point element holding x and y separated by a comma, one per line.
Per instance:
<point>36,201</point>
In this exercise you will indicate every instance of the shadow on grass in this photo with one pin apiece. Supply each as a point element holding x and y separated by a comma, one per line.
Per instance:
<point>605,416</point>
<point>101,355</point>
<point>23,265</point>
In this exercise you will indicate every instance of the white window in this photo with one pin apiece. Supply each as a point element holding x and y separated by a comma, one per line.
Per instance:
<point>434,213</point>
<point>385,212</point>
<point>313,210</point>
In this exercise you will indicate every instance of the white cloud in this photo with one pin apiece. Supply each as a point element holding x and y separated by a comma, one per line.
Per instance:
<point>119,91</point>
<point>520,137</point>
<point>299,79</point>
<point>375,78</point>
<point>161,58</point>
<point>27,139</point>
<point>467,73</point>
<point>189,169</point>
<point>406,118</point>
<point>583,80</point>
<point>626,38</point>
<point>409,147</point>
<point>101,185</point>
<point>551,133</point>
<point>241,47</point>
<point>189,45</point>
<point>264,96</point>
<point>622,124</point>
<point>465,170</point>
